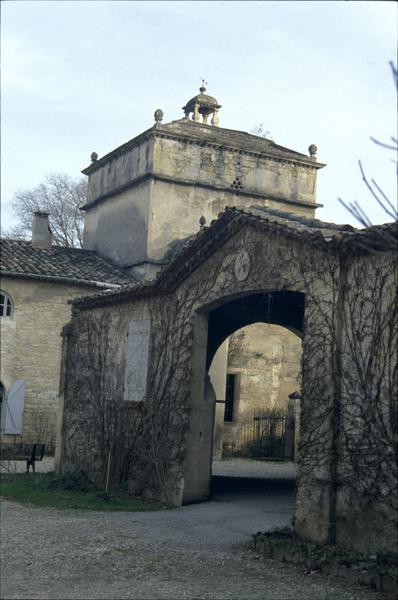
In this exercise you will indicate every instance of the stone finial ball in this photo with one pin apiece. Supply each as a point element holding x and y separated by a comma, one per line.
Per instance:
<point>312,150</point>
<point>158,115</point>
<point>202,221</point>
<point>94,156</point>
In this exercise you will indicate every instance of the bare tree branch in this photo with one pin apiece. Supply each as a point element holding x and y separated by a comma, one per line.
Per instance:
<point>62,197</point>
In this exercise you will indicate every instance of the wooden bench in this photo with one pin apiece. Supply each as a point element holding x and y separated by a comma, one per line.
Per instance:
<point>32,453</point>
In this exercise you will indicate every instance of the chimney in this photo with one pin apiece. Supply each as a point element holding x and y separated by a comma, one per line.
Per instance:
<point>41,232</point>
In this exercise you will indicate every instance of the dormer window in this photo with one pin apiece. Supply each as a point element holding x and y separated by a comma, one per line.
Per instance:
<point>6,306</point>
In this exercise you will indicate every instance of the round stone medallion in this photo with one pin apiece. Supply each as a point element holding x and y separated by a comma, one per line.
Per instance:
<point>242,265</point>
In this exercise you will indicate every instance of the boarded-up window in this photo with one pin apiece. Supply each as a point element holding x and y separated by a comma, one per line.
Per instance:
<point>137,361</point>
<point>14,407</point>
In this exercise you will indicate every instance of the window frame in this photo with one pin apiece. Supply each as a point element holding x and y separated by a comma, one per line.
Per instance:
<point>7,305</point>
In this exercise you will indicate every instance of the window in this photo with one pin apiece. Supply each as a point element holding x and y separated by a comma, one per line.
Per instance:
<point>230,397</point>
<point>13,410</point>
<point>6,305</point>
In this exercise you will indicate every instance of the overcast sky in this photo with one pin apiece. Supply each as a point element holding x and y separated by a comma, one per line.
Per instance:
<point>79,76</point>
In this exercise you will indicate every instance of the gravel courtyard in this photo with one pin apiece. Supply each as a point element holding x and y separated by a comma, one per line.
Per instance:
<point>194,552</point>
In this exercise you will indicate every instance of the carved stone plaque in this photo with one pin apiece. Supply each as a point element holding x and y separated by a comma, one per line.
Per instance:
<point>242,265</point>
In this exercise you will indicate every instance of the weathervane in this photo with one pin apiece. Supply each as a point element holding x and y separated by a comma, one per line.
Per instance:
<point>204,85</point>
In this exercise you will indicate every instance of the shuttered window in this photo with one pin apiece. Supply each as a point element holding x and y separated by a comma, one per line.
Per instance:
<point>136,373</point>
<point>14,408</point>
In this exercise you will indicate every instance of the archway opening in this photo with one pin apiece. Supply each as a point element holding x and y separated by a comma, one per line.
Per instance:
<point>256,377</point>
<point>238,321</point>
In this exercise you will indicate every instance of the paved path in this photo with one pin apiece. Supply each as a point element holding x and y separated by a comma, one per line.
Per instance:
<point>191,553</point>
<point>261,469</point>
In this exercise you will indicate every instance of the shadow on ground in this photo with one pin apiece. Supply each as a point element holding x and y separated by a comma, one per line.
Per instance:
<point>221,485</point>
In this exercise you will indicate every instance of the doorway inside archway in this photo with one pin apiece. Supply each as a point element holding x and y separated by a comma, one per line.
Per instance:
<point>255,374</point>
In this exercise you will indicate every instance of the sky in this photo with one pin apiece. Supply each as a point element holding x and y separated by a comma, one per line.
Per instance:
<point>83,76</point>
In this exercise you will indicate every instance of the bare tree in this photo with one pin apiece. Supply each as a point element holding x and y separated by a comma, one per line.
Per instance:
<point>377,193</point>
<point>62,197</point>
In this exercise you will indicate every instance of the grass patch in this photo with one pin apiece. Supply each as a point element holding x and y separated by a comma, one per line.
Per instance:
<point>70,491</point>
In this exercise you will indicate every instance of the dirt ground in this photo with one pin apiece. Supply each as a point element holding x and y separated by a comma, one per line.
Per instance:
<point>195,552</point>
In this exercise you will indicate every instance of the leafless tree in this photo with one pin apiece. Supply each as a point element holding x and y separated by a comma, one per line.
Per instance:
<point>59,195</point>
<point>376,191</point>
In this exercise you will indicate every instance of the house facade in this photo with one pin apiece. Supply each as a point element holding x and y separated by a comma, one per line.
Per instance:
<point>38,281</point>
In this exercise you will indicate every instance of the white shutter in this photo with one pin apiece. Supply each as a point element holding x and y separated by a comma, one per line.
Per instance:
<point>137,361</point>
<point>14,407</point>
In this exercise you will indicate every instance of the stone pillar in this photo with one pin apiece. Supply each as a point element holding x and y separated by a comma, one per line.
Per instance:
<point>293,425</point>
<point>66,334</point>
<point>218,377</point>
<point>195,116</point>
<point>215,120</point>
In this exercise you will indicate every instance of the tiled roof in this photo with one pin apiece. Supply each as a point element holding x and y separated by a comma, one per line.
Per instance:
<point>72,265</point>
<point>295,221</point>
<point>189,253</point>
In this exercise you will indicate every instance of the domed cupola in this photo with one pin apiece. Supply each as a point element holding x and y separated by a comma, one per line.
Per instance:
<point>204,105</point>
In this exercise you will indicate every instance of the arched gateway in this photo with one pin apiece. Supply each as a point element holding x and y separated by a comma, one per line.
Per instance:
<point>135,365</point>
<point>214,322</point>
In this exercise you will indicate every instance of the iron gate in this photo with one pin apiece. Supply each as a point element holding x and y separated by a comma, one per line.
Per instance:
<point>265,434</point>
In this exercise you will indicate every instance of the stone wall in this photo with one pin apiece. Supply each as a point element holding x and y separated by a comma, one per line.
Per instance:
<point>31,349</point>
<point>268,358</point>
<point>176,208</point>
<point>176,384</point>
<point>118,228</point>
<point>220,166</point>
<point>368,408</point>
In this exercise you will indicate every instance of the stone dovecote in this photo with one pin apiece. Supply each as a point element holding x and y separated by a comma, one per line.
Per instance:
<point>153,190</point>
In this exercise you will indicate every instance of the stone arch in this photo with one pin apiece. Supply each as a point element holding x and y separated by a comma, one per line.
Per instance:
<point>285,308</point>
<point>213,324</point>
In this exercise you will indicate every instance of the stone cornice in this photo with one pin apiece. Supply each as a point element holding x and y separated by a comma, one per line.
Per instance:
<point>193,183</point>
<point>119,151</point>
<point>274,152</point>
<point>276,155</point>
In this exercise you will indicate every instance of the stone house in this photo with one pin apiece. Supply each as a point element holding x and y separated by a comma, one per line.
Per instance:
<point>37,282</point>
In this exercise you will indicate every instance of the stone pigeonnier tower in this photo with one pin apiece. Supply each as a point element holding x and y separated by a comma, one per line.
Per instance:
<point>152,190</point>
